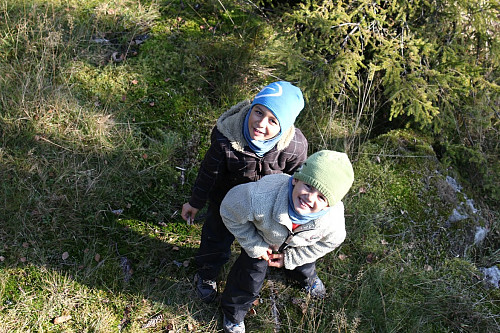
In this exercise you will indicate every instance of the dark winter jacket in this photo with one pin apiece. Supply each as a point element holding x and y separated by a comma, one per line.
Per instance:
<point>230,162</point>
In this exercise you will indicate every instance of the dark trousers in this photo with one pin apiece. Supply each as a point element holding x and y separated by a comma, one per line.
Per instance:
<point>215,246</point>
<point>245,281</point>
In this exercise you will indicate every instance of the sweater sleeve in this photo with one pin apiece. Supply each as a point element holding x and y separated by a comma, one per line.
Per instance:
<point>237,214</point>
<point>212,167</point>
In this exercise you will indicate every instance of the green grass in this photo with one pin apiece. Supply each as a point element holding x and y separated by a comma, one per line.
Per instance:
<point>90,195</point>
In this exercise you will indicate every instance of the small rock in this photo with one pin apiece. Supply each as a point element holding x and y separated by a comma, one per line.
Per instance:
<point>492,275</point>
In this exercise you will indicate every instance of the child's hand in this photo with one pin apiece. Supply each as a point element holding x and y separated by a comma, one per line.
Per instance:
<point>266,256</point>
<point>276,260</point>
<point>188,213</point>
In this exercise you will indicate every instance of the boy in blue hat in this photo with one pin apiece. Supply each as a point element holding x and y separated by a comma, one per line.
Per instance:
<point>249,141</point>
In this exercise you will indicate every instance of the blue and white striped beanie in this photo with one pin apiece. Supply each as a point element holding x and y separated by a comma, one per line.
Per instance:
<point>284,100</point>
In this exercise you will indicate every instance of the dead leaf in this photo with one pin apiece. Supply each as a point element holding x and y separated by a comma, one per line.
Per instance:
<point>384,242</point>
<point>2,258</point>
<point>134,82</point>
<point>22,259</point>
<point>26,244</point>
<point>370,257</point>
<point>117,57</point>
<point>185,263</point>
<point>152,322</point>
<point>97,257</point>
<point>428,268</point>
<point>61,319</point>
<point>362,190</point>
<point>175,248</point>
<point>342,256</point>
<point>65,255</point>
<point>96,39</point>
<point>152,104</point>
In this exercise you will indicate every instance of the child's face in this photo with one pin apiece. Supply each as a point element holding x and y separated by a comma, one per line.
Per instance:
<point>306,199</point>
<point>262,124</point>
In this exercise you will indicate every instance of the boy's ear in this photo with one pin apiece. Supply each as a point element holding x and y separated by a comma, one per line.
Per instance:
<point>294,181</point>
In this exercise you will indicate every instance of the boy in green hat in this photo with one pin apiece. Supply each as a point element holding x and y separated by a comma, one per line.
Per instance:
<point>284,221</point>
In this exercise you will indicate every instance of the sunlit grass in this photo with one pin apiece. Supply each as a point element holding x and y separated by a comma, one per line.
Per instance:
<point>97,157</point>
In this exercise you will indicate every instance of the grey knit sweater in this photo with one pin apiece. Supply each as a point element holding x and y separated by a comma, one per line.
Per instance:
<point>257,215</point>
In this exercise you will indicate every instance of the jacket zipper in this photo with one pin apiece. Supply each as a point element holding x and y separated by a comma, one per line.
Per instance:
<point>288,239</point>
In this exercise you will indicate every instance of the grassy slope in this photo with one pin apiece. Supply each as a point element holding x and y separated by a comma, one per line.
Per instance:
<point>84,138</point>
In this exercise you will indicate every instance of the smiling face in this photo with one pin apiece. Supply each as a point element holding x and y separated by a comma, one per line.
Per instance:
<point>262,124</point>
<point>306,199</point>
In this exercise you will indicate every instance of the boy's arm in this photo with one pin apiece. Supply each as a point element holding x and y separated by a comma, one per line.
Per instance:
<point>237,214</point>
<point>212,167</point>
<point>298,152</point>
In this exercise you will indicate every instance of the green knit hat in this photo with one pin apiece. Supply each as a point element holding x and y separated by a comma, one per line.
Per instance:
<point>330,172</point>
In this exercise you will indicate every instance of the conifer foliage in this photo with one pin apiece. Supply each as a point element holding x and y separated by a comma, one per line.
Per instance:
<point>427,64</point>
<point>420,55</point>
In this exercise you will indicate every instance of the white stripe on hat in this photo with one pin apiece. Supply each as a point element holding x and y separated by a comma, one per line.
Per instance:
<point>277,94</point>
